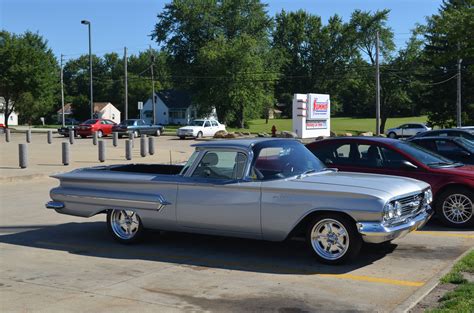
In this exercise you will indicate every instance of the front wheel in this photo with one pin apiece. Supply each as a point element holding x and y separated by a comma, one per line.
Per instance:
<point>455,207</point>
<point>199,135</point>
<point>333,238</point>
<point>125,226</point>
<point>100,134</point>
<point>392,135</point>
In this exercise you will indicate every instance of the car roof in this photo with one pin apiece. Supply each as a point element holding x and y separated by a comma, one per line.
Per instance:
<point>360,138</point>
<point>448,130</point>
<point>238,143</point>
<point>434,138</point>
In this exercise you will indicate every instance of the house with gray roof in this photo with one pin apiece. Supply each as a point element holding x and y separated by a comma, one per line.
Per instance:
<point>171,107</point>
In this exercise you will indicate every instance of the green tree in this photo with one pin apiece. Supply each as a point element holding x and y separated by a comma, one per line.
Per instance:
<point>189,30</point>
<point>449,38</point>
<point>28,75</point>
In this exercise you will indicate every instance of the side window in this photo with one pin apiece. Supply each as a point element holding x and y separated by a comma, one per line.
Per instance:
<point>207,124</point>
<point>221,165</point>
<point>325,153</point>
<point>447,146</point>
<point>214,123</point>
<point>370,156</point>
<point>392,159</point>
<point>427,144</point>
<point>103,122</point>
<point>404,126</point>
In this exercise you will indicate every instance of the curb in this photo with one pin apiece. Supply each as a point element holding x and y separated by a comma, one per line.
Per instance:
<point>14,179</point>
<point>416,297</point>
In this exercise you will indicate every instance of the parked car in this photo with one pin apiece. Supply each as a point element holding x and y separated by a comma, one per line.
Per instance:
<point>470,129</point>
<point>70,123</point>
<point>452,183</point>
<point>266,189</point>
<point>200,128</point>
<point>454,148</point>
<point>451,132</point>
<point>406,130</point>
<point>103,127</point>
<point>137,127</point>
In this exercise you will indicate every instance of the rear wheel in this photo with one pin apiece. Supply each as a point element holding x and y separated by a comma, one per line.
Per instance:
<point>158,133</point>
<point>136,133</point>
<point>181,137</point>
<point>455,207</point>
<point>392,135</point>
<point>333,238</point>
<point>125,226</point>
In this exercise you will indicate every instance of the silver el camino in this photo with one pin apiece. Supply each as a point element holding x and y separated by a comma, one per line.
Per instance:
<point>268,189</point>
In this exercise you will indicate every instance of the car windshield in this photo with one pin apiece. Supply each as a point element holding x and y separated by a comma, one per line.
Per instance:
<point>128,122</point>
<point>197,123</point>
<point>423,155</point>
<point>281,159</point>
<point>90,122</point>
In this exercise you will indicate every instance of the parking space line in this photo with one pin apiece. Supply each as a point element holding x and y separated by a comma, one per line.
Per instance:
<point>371,279</point>
<point>443,234</point>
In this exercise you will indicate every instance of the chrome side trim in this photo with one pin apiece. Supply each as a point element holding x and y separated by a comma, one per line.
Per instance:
<point>55,205</point>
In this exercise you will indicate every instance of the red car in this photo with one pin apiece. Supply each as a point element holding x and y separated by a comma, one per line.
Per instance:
<point>103,127</point>
<point>452,183</point>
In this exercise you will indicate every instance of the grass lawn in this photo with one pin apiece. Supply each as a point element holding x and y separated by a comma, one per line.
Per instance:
<point>460,299</point>
<point>338,124</point>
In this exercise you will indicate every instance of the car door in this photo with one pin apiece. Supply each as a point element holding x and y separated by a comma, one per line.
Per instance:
<point>216,198</point>
<point>215,127</point>
<point>451,150</point>
<point>207,129</point>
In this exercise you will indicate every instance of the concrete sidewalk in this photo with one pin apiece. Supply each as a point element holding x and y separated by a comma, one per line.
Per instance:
<point>45,159</point>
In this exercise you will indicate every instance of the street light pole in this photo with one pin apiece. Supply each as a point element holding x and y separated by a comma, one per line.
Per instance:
<point>85,22</point>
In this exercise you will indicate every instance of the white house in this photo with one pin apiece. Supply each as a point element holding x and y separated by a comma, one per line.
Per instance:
<point>106,110</point>
<point>12,119</point>
<point>67,112</point>
<point>171,107</point>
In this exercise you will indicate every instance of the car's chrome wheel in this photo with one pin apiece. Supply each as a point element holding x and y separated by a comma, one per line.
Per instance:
<point>392,135</point>
<point>458,208</point>
<point>330,239</point>
<point>333,238</point>
<point>125,225</point>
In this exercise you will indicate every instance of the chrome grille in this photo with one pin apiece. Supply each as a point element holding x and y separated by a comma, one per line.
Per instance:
<point>411,205</point>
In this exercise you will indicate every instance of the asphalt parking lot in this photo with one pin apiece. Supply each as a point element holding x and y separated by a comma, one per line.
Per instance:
<point>57,263</point>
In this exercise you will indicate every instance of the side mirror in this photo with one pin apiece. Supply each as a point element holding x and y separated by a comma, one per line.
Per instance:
<point>409,165</point>
<point>465,153</point>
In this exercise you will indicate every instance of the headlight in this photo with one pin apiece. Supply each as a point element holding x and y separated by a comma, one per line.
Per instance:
<point>392,211</point>
<point>428,196</point>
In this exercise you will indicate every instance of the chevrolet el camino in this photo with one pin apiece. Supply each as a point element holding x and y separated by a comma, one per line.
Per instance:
<point>268,189</point>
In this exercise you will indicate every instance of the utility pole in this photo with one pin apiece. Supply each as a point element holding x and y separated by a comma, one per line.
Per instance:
<point>458,98</point>
<point>377,82</point>
<point>152,85</point>
<point>125,61</point>
<point>62,91</point>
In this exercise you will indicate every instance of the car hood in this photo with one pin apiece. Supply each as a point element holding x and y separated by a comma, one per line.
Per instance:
<point>466,171</point>
<point>375,184</point>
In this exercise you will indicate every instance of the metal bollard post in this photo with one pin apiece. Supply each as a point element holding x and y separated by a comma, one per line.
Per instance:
<point>128,149</point>
<point>132,137</point>
<point>101,151</point>
<point>65,149</point>
<point>50,136</point>
<point>7,135</point>
<point>151,145</point>
<point>143,146</point>
<point>115,139</point>
<point>23,155</point>
<point>72,136</point>
<point>28,136</point>
<point>94,138</point>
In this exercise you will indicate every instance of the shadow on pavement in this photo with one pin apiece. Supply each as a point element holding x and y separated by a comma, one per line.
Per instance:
<point>92,239</point>
<point>435,224</point>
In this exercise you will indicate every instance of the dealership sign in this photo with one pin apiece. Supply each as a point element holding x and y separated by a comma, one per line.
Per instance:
<point>318,107</point>
<point>322,124</point>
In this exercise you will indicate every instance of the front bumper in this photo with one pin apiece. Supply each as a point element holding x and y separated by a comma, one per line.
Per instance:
<point>375,232</point>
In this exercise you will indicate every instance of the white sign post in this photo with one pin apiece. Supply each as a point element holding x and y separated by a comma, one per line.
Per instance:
<point>140,108</point>
<point>311,115</point>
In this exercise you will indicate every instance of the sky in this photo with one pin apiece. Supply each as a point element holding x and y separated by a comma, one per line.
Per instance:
<point>119,23</point>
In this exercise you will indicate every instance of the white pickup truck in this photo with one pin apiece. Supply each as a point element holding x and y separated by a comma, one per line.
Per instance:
<point>200,128</point>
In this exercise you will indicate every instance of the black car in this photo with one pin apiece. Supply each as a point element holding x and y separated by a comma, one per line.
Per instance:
<point>138,127</point>
<point>70,123</point>
<point>454,148</point>
<point>451,132</point>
